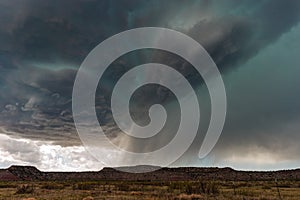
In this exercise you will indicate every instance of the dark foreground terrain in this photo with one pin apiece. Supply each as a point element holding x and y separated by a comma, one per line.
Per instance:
<point>19,182</point>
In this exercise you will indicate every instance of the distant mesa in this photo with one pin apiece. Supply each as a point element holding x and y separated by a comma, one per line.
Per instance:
<point>19,173</point>
<point>138,168</point>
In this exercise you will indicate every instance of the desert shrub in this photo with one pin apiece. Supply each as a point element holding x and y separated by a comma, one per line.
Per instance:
<point>245,192</point>
<point>242,184</point>
<point>7,185</point>
<point>25,189</point>
<point>84,186</point>
<point>283,185</point>
<point>266,187</point>
<point>67,184</point>
<point>176,185</point>
<point>190,189</point>
<point>208,187</point>
<point>123,187</point>
<point>195,187</point>
<point>52,186</point>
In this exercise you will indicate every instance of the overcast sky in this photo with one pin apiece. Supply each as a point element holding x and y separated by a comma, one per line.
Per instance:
<point>255,45</point>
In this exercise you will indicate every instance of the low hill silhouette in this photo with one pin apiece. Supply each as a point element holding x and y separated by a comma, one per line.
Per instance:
<point>15,173</point>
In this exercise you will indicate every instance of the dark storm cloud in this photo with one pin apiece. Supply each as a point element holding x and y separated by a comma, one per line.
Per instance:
<point>35,101</point>
<point>46,30</point>
<point>233,39</point>
<point>263,107</point>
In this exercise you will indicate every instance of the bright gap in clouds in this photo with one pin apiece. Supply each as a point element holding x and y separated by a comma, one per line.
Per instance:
<point>45,155</point>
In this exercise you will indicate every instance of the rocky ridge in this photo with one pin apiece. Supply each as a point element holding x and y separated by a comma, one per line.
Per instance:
<point>15,173</point>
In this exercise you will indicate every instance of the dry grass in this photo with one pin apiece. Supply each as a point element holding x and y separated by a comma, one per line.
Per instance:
<point>217,190</point>
<point>25,189</point>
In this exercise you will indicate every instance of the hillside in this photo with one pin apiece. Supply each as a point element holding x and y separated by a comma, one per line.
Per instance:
<point>163,174</point>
